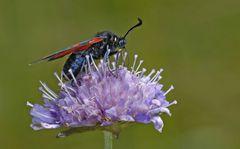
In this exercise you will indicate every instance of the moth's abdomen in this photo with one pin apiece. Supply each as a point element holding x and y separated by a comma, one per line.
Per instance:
<point>75,63</point>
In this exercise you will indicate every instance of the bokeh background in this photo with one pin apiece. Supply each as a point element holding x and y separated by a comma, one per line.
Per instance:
<point>195,41</point>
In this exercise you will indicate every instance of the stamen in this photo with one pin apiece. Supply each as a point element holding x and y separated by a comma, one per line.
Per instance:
<point>155,76</point>
<point>73,90</point>
<point>106,55</point>
<point>29,104</point>
<point>46,94</point>
<point>134,62</point>
<point>101,61</point>
<point>143,71</point>
<point>114,65</point>
<point>64,86</point>
<point>139,65</point>
<point>156,79</point>
<point>86,68</point>
<point>83,66</point>
<point>170,104</point>
<point>105,63</point>
<point>61,76</point>
<point>88,61</point>
<point>161,70</point>
<point>117,59</point>
<point>47,97</point>
<point>159,78</point>
<point>48,89</point>
<point>137,73</point>
<point>124,58</point>
<point>149,75</point>
<point>171,88</point>
<point>94,64</point>
<point>60,81</point>
<point>65,76</point>
<point>74,79</point>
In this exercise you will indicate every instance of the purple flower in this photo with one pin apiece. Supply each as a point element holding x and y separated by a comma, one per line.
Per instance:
<point>104,97</point>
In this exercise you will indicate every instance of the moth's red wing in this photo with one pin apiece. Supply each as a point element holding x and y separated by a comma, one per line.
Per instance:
<point>77,47</point>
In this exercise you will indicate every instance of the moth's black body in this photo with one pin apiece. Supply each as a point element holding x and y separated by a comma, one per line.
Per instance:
<point>105,41</point>
<point>77,59</point>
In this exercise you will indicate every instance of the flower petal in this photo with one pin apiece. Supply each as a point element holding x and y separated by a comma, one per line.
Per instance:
<point>158,123</point>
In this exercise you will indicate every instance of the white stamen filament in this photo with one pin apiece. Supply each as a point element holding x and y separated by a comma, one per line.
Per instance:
<point>61,76</point>
<point>106,59</point>
<point>143,71</point>
<point>106,55</point>
<point>89,65</point>
<point>83,66</point>
<point>46,93</point>
<point>48,89</point>
<point>101,62</point>
<point>66,77</point>
<point>159,78</point>
<point>114,65</point>
<point>60,81</point>
<point>86,68</point>
<point>74,79</point>
<point>124,58</point>
<point>102,66</point>
<point>171,88</point>
<point>137,73</point>
<point>116,57</point>
<point>134,62</point>
<point>94,64</point>
<point>73,90</point>
<point>63,86</point>
<point>45,96</point>
<point>29,104</point>
<point>161,70</point>
<point>139,65</point>
<point>170,104</point>
<point>156,76</point>
<point>149,75</point>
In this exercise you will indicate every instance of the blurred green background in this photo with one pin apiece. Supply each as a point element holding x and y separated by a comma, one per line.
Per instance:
<point>195,41</point>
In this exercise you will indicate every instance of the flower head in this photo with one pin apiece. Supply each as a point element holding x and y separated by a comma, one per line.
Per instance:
<point>104,97</point>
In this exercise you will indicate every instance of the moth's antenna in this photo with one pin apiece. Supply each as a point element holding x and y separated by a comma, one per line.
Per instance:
<point>140,22</point>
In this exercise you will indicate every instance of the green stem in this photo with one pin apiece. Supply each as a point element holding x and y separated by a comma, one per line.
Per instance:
<point>107,140</point>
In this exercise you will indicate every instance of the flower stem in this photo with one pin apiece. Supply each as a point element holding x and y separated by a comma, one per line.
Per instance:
<point>107,140</point>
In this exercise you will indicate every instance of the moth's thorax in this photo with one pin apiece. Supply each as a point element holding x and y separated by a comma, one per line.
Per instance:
<point>111,41</point>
